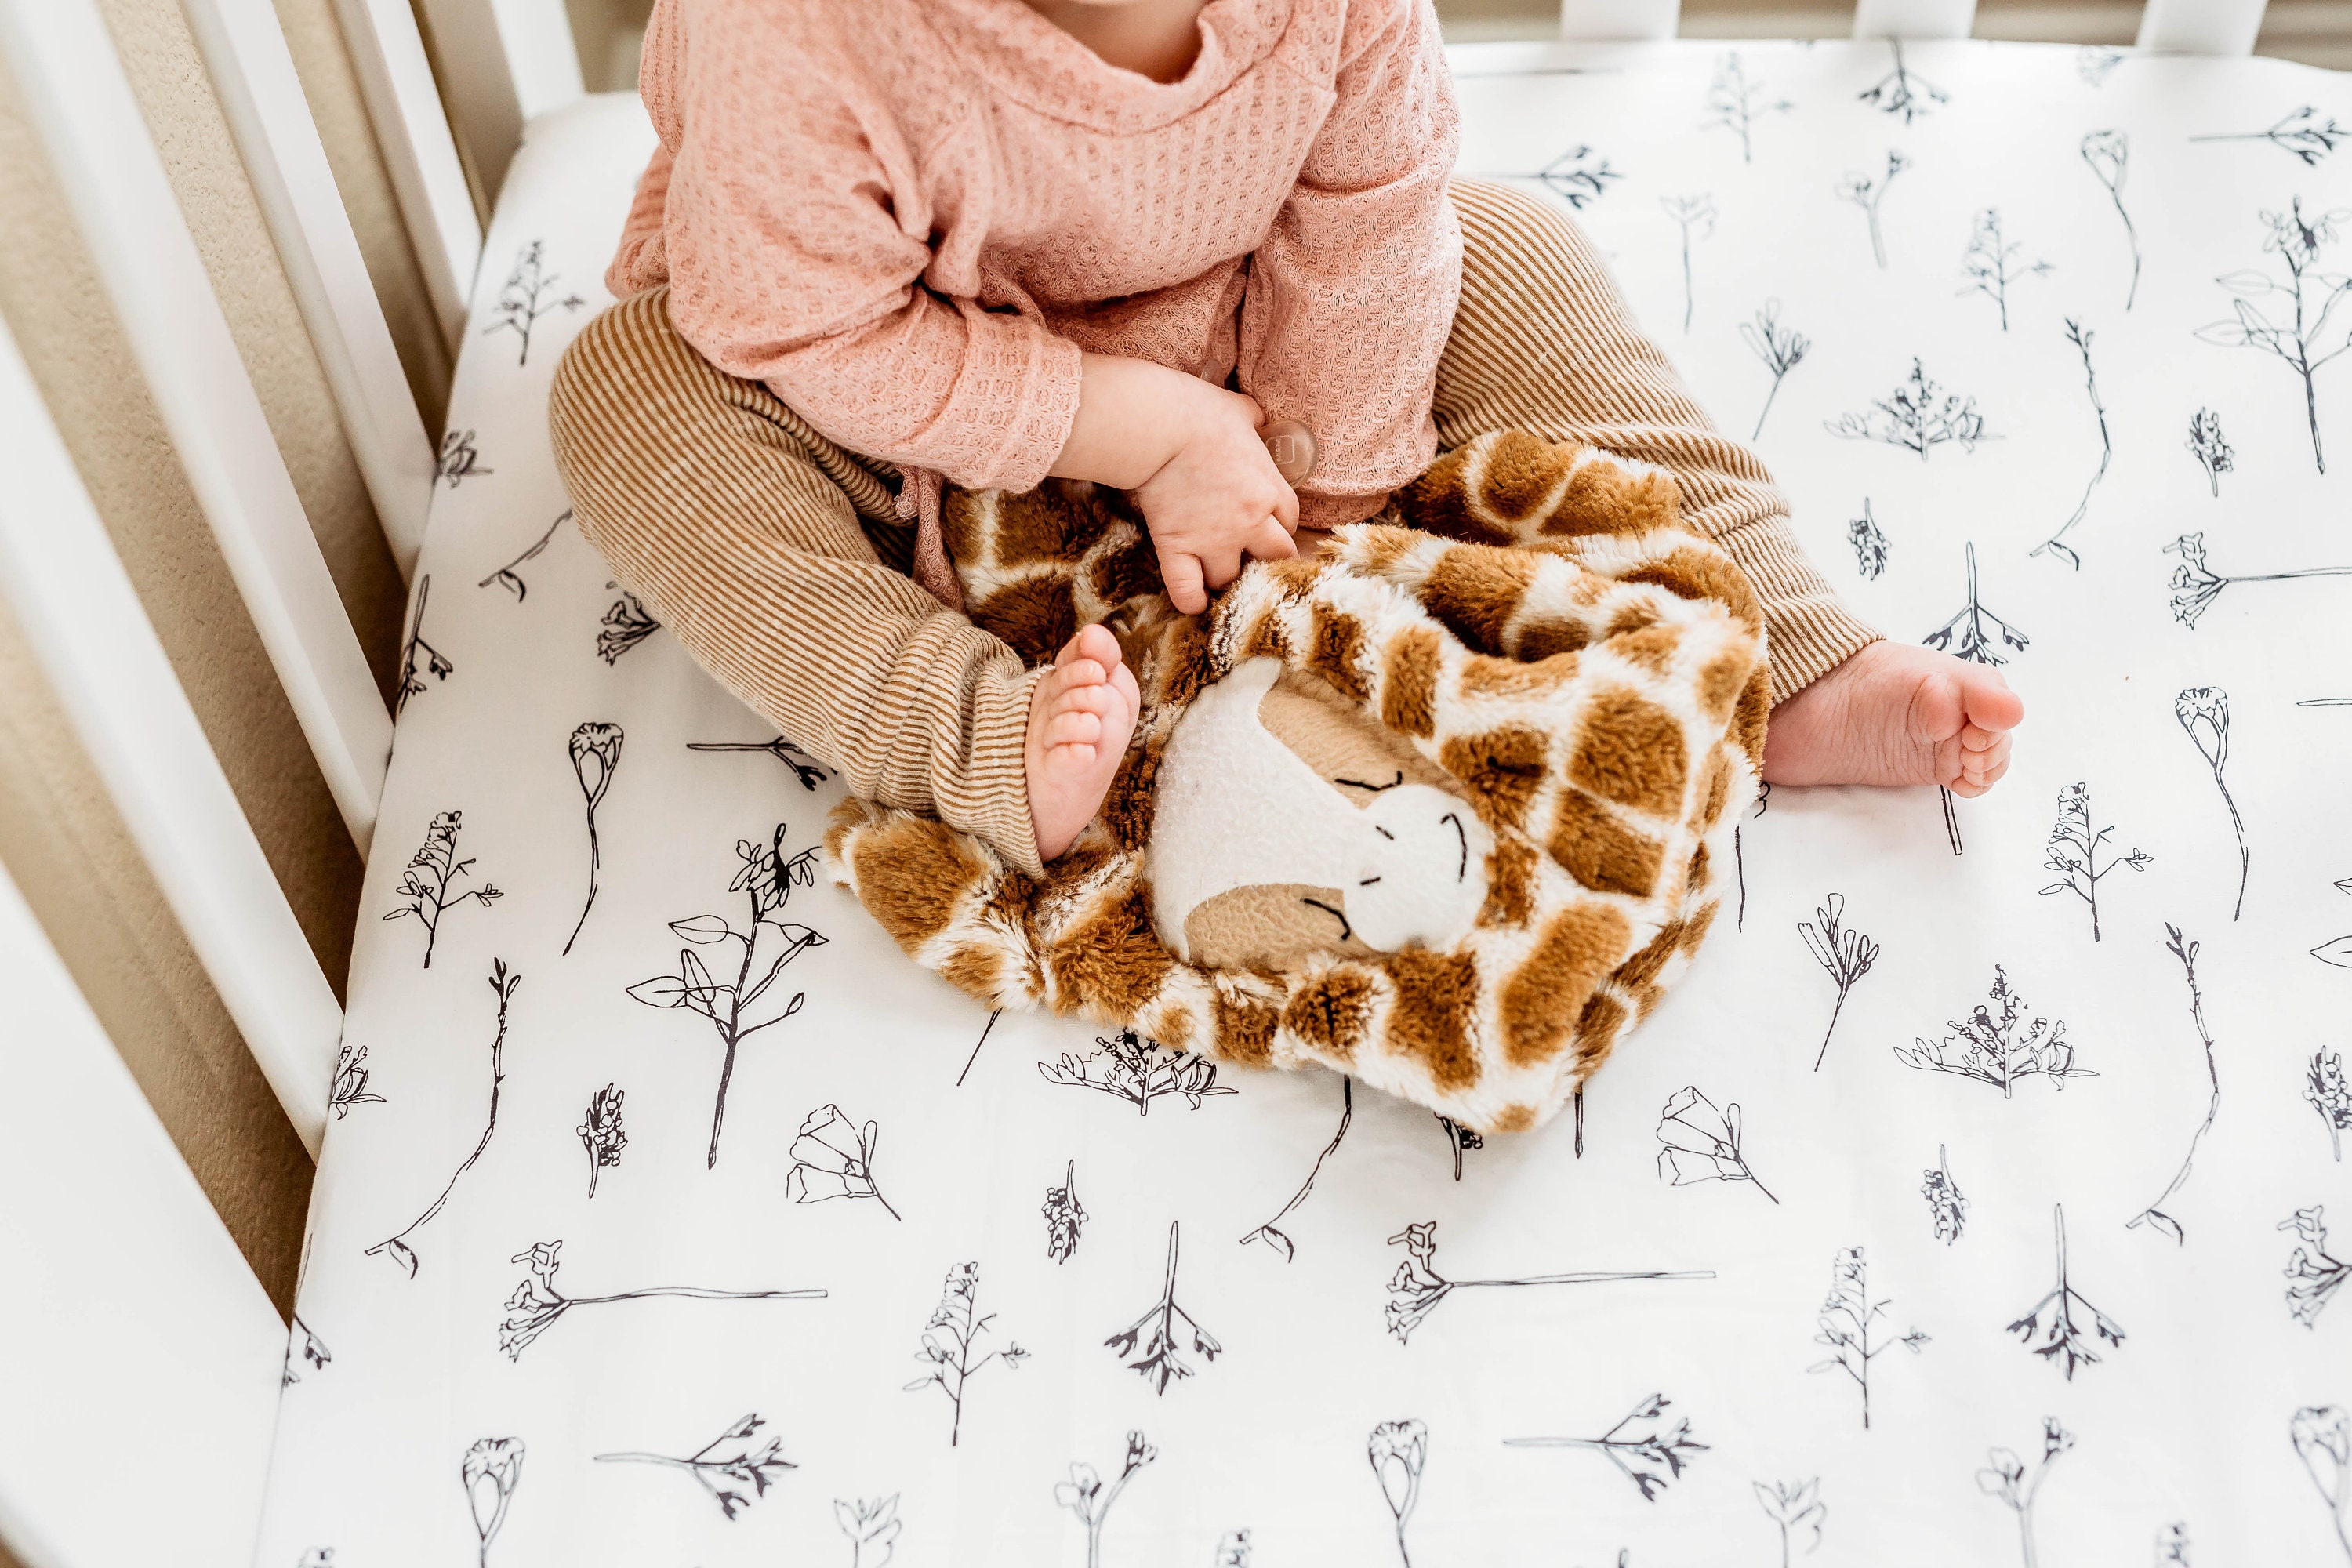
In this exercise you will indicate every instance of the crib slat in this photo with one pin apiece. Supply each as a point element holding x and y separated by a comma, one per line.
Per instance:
<point>62,578</point>
<point>1611,20</point>
<point>91,124</point>
<point>1914,18</point>
<point>2201,27</point>
<point>262,97</point>
<point>501,62</point>
<point>141,1357</point>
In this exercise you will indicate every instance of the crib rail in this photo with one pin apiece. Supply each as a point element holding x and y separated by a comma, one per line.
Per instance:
<point>2176,26</point>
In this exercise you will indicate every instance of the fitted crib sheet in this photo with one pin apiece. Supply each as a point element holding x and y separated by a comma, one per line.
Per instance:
<point>1968,1205</point>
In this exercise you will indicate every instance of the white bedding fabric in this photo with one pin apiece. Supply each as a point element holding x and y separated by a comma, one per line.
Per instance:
<point>2191,1419</point>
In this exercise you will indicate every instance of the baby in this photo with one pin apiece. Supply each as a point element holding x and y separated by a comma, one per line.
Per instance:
<point>888,243</point>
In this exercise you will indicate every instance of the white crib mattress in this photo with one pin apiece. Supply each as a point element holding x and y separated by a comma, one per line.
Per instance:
<point>1991,1256</point>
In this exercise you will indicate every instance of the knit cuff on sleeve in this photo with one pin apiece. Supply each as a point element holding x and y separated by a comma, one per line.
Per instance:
<point>991,801</point>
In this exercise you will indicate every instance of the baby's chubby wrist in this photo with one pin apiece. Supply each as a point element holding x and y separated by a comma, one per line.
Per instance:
<point>1134,417</point>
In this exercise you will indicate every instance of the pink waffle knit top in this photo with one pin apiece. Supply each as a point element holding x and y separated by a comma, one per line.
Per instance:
<point>909,217</point>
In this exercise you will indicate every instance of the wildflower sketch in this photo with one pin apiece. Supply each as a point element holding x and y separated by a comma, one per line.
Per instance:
<point>2093,65</point>
<point>1782,349</point>
<point>2303,134</point>
<point>2313,1276</point>
<point>1065,1216</point>
<point>1699,1143</point>
<point>872,1526</point>
<point>595,753</point>
<point>2172,1545</point>
<point>1733,103</point>
<point>736,1468</point>
<point>2080,336</point>
<point>2322,1436</point>
<point>1417,1289</point>
<point>1947,1207</point>
<point>1976,633</point>
<point>1399,1452</point>
<point>601,1132</point>
<point>2073,850</point>
<point>395,1245</point>
<point>537,1305</point>
<point>1459,1139</point>
<point>2327,1092</point>
<point>2203,713</point>
<point>1848,1325</point>
<point>1275,1239</point>
<point>527,294</point>
<point>2154,1216</point>
<point>1695,215</point>
<point>458,460</point>
<point>1234,1549</point>
<point>805,768</point>
<point>350,1087</point>
<point>1651,1453</point>
<point>1912,418</point>
<point>1088,1499</point>
<point>1578,177</point>
<point>1999,1049</point>
<point>1866,191</point>
<point>951,1340</point>
<point>2210,448</point>
<point>1903,91</point>
<point>1951,821</point>
<point>984,1030</point>
<point>2301,339</point>
<point>2007,1477</point>
<point>625,625</point>
<point>1136,1070</point>
<point>2049,1331</point>
<point>508,577</point>
<point>1160,1340</point>
<point>1739,922</point>
<point>833,1157</point>
<point>766,879</point>
<point>2195,585</point>
<point>414,648</point>
<point>1869,543</point>
<point>429,881</point>
<point>301,1341</point>
<point>1846,955</point>
<point>1793,1506</point>
<point>1991,262</point>
<point>489,1472</point>
<point>2108,154</point>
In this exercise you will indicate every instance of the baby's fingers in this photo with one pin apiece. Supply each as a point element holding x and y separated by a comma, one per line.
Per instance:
<point>1182,573</point>
<point>1272,541</point>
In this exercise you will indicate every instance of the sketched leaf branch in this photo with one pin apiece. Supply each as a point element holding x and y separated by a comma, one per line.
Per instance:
<point>626,625</point>
<point>2313,1276</point>
<point>2154,1216</point>
<point>951,1339</point>
<point>1398,1453</point>
<point>1649,1452</point>
<point>2108,154</point>
<point>395,1245</point>
<point>1848,1322</point>
<point>1579,177</point>
<point>1782,349</point>
<point>419,658</point>
<point>1065,1218</point>
<point>1915,417</point>
<point>2050,1330</point>
<point>1277,1239</point>
<point>2300,337</point>
<point>538,1305</point>
<point>2303,134</point>
<point>1976,633</point>
<point>1904,92</point>
<point>1136,1070</point>
<point>2210,447</point>
<point>1160,1338</point>
<point>736,1468</point>
<point>2073,850</point>
<point>1866,191</point>
<point>2195,585</point>
<point>1999,1047</point>
<point>596,750</point>
<point>833,1157</point>
<point>2080,336</point>
<point>2322,1436</point>
<point>1793,1506</point>
<point>527,294</point>
<point>2325,1090</point>
<point>805,768</point>
<point>1089,1500</point>
<point>1734,104</point>
<point>2006,1478</point>
<point>1845,956</point>
<point>429,881</point>
<point>872,1527</point>
<point>1947,1207</point>
<point>508,577</point>
<point>1417,1289</point>
<point>1990,265</point>
<point>1699,1143</point>
<point>601,1132</point>
<point>1869,543</point>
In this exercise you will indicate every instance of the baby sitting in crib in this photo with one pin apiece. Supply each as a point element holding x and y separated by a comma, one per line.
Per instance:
<point>886,243</point>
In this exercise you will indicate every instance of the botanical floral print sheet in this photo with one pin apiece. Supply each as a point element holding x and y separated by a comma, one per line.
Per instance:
<point>1978,1200</point>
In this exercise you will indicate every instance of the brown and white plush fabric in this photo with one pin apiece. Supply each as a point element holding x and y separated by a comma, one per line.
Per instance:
<point>1439,806</point>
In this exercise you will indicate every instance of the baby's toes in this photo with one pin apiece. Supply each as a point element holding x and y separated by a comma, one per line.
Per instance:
<point>1074,728</point>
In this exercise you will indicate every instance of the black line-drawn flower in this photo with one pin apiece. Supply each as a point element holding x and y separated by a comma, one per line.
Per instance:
<point>1399,1452</point>
<point>766,879</point>
<point>601,1132</point>
<point>527,295</point>
<point>805,768</point>
<point>2154,1216</point>
<point>2195,585</point>
<point>2303,134</point>
<point>2325,1090</point>
<point>2006,1478</point>
<point>1695,217</point>
<point>1459,1140</point>
<point>1136,1070</point>
<point>833,1157</point>
<point>872,1526</point>
<point>1846,1325</point>
<point>1576,178</point>
<point>2094,64</point>
<point>2172,1545</point>
<point>1846,955</point>
<point>1651,1453</point>
<point>300,1341</point>
<point>1417,1289</point>
<point>1904,92</point>
<point>414,648</point>
<point>1914,418</point>
<point>2072,849</point>
<point>2049,1331</point>
<point>1735,104</point>
<point>1866,191</point>
<point>1869,543</point>
<point>350,1086</point>
<point>489,1472</point>
<point>1975,631</point>
<point>2107,153</point>
<point>595,753</point>
<point>2313,1275</point>
<point>1086,1498</point>
<point>1782,349</point>
<point>457,460</point>
<point>537,1305</point>
<point>737,1459</point>
<point>626,625</point>
<point>2000,1050</point>
<point>2081,336</point>
<point>1234,1549</point>
<point>952,1336</point>
<point>1739,920</point>
<point>395,1245</point>
<point>2322,1436</point>
<point>430,876</point>
<point>1160,1339</point>
<point>2210,447</point>
<point>1989,262</point>
<point>1793,1506</point>
<point>1701,1143</point>
<point>508,578</point>
<point>1280,1240</point>
<point>2300,339</point>
<point>1947,1207</point>
<point>2203,713</point>
<point>1065,1218</point>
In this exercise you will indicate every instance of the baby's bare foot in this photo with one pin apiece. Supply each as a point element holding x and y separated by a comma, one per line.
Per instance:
<point>1895,714</point>
<point>1080,717</point>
